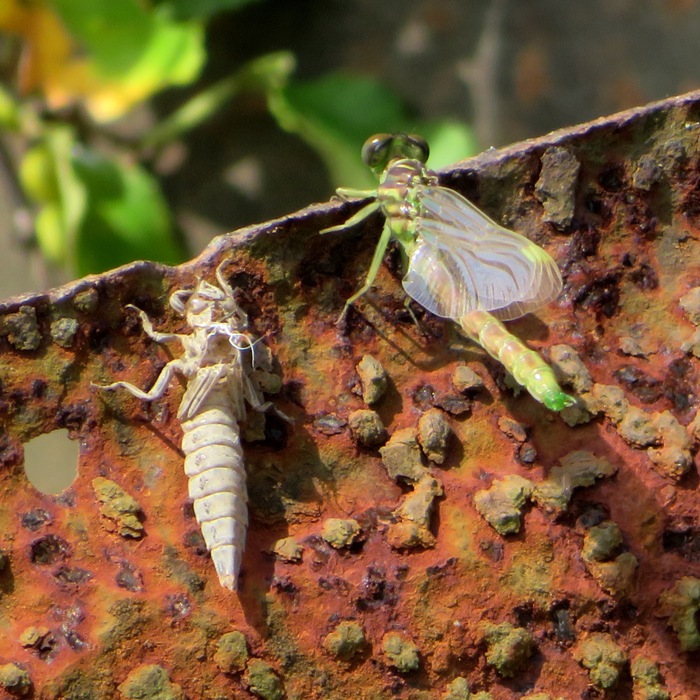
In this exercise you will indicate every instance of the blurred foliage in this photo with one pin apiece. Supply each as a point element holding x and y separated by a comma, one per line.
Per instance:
<point>110,55</point>
<point>89,63</point>
<point>337,113</point>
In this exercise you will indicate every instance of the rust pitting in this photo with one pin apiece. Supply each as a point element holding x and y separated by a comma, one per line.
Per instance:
<point>612,178</point>
<point>601,294</point>
<point>640,219</point>
<point>643,275</point>
<point>75,417</point>
<point>680,384</point>
<point>129,577</point>
<point>375,590</point>
<point>49,549</point>
<point>71,578</point>
<point>35,519</point>
<point>647,389</point>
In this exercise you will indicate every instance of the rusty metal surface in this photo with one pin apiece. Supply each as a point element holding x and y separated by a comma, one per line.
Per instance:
<point>394,584</point>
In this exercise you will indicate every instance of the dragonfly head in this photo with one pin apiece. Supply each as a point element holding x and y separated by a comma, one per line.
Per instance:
<point>380,150</point>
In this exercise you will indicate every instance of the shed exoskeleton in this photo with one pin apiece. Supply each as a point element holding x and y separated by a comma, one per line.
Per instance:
<point>218,363</point>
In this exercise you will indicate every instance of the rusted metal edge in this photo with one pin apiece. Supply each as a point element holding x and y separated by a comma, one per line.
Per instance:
<point>319,215</point>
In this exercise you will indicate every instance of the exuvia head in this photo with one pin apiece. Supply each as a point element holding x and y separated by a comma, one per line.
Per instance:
<point>379,150</point>
<point>207,305</point>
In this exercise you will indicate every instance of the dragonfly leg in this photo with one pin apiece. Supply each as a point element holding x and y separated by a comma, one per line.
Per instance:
<point>373,269</point>
<point>148,327</point>
<point>348,193</point>
<point>158,388</point>
<point>354,219</point>
<point>414,318</point>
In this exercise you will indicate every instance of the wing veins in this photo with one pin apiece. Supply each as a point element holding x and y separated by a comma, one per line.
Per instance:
<point>466,256</point>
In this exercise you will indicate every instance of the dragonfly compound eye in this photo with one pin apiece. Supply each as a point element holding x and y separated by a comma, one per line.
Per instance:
<point>381,149</point>
<point>377,150</point>
<point>415,147</point>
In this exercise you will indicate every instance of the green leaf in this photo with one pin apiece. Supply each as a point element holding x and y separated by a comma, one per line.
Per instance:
<point>203,9</point>
<point>10,110</point>
<point>175,54</point>
<point>72,197</point>
<point>47,177</point>
<point>265,73</point>
<point>126,217</point>
<point>114,33</point>
<point>335,115</point>
<point>37,175</point>
<point>50,233</point>
<point>129,42</point>
<point>449,142</point>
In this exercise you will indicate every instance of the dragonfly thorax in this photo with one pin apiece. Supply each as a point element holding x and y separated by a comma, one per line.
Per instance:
<point>398,194</point>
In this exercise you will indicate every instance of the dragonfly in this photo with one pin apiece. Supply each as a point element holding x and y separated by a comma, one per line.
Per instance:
<point>460,264</point>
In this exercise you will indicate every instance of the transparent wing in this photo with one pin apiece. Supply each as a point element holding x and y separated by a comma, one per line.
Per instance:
<point>464,261</point>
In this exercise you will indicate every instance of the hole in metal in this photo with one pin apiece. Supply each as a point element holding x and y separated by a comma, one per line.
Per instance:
<point>51,461</point>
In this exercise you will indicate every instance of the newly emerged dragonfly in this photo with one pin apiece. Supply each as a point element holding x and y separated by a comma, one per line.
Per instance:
<point>459,263</point>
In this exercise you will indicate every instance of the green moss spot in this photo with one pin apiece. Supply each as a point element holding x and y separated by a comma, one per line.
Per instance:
<point>340,533</point>
<point>401,653</point>
<point>569,367</point>
<point>681,605</point>
<point>63,331</point>
<point>637,428</point>
<point>578,468</point>
<point>412,528</point>
<point>119,506</point>
<point>501,505</point>
<point>402,456</point>
<point>647,681</point>
<point>232,652</point>
<point>150,683</point>
<point>15,680</point>
<point>346,640</point>
<point>508,647</point>
<point>609,399</point>
<point>466,379</point>
<point>367,427</point>
<point>618,576</point>
<point>601,542</point>
<point>603,658</point>
<point>675,456</point>
<point>34,636</point>
<point>86,301</point>
<point>433,435</point>
<point>373,378</point>
<point>263,681</point>
<point>457,690</point>
<point>22,329</point>
<point>288,549</point>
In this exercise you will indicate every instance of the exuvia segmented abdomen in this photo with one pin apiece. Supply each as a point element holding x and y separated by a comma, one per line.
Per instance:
<point>217,482</point>
<point>526,366</point>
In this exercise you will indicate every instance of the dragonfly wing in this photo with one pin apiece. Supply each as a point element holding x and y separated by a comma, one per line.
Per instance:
<point>437,282</point>
<point>465,261</point>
